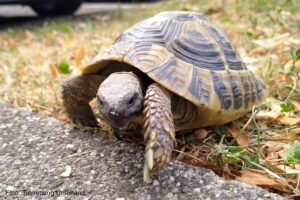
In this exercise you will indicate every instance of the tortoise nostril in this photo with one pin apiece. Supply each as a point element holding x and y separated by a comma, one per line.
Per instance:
<point>112,112</point>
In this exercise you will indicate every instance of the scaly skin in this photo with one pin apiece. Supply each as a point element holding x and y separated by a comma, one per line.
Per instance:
<point>77,92</point>
<point>159,132</point>
<point>158,125</point>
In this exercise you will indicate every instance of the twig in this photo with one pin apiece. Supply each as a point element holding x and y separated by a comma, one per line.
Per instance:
<point>298,182</point>
<point>292,91</point>
<point>181,152</point>
<point>44,107</point>
<point>222,139</point>
<point>244,127</point>
<point>258,135</point>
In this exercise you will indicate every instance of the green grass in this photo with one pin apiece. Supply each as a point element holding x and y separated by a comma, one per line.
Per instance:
<point>292,154</point>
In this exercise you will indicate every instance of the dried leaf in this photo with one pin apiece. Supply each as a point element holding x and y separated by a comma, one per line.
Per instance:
<point>273,42</point>
<point>241,137</point>
<point>290,121</point>
<point>296,105</point>
<point>275,114</point>
<point>272,153</point>
<point>67,172</point>
<point>272,113</point>
<point>267,116</point>
<point>54,70</point>
<point>297,64</point>
<point>260,178</point>
<point>251,60</point>
<point>287,135</point>
<point>79,54</point>
<point>197,156</point>
<point>295,169</point>
<point>289,64</point>
<point>200,161</point>
<point>29,37</point>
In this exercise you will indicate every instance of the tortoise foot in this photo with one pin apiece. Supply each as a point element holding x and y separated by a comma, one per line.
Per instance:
<point>159,133</point>
<point>77,92</point>
<point>157,156</point>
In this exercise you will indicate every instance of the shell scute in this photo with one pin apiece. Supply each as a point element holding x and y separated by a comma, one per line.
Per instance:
<point>190,57</point>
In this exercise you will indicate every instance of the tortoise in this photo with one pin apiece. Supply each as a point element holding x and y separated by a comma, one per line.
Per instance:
<point>172,72</point>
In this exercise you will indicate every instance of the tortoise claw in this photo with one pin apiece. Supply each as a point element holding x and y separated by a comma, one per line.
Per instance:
<point>149,159</point>
<point>156,160</point>
<point>147,173</point>
<point>148,166</point>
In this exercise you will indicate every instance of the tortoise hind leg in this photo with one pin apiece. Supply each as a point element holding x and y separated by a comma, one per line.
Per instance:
<point>159,132</point>
<point>77,92</point>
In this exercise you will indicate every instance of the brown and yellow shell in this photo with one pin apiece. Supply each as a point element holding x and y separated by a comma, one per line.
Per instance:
<point>189,56</point>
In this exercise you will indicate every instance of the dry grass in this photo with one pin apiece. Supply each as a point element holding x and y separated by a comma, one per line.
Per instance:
<point>264,31</point>
<point>30,53</point>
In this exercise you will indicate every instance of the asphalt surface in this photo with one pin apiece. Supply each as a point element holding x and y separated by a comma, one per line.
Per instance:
<point>12,14</point>
<point>86,8</point>
<point>35,150</point>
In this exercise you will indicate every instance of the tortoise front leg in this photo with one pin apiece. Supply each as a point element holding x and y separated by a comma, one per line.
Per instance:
<point>159,132</point>
<point>77,92</point>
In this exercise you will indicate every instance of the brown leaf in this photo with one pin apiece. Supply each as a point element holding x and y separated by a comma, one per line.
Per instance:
<point>54,70</point>
<point>79,54</point>
<point>29,37</point>
<point>197,155</point>
<point>289,64</point>
<point>274,114</point>
<point>290,135</point>
<point>294,169</point>
<point>272,152</point>
<point>261,178</point>
<point>291,121</point>
<point>296,105</point>
<point>241,137</point>
<point>200,161</point>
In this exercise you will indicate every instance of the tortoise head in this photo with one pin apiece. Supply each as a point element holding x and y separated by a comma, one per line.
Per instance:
<point>120,98</point>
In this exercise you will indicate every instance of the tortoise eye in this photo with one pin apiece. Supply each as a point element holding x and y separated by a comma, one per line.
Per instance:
<point>101,103</point>
<point>131,101</point>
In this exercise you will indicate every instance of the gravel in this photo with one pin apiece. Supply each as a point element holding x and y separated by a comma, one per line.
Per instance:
<point>35,151</point>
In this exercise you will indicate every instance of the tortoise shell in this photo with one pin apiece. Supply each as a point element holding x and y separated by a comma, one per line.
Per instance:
<point>191,57</point>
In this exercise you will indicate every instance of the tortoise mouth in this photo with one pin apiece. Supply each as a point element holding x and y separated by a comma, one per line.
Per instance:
<point>121,120</point>
<point>119,123</point>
